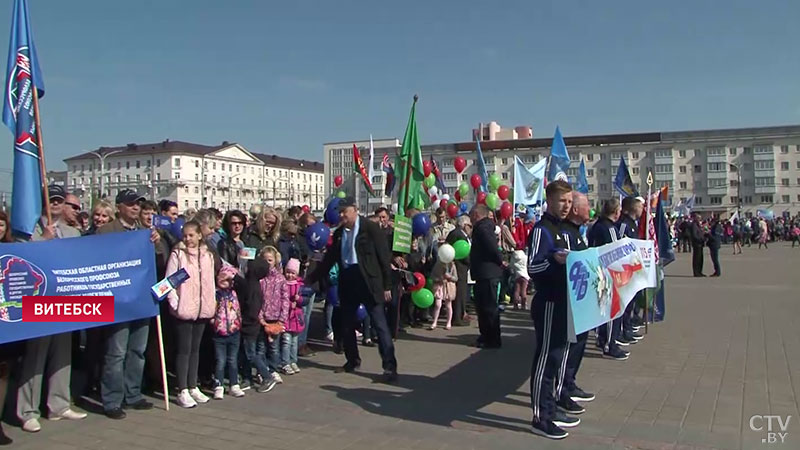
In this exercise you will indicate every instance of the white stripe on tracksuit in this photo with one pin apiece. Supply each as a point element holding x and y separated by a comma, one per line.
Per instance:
<point>558,384</point>
<point>540,365</point>
<point>609,325</point>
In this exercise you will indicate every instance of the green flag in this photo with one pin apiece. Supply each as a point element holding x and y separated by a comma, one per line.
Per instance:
<point>409,169</point>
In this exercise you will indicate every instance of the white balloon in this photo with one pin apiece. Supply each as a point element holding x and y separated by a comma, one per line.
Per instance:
<point>433,190</point>
<point>446,197</point>
<point>446,253</point>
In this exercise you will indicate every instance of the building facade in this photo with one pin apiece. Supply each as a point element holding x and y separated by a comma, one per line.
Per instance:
<point>339,161</point>
<point>749,168</point>
<point>225,176</point>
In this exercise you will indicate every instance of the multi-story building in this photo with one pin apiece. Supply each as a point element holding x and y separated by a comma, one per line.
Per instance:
<point>225,176</point>
<point>339,161</point>
<point>754,168</point>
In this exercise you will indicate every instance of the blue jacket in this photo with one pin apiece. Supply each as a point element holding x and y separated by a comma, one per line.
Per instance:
<point>549,277</point>
<point>602,232</point>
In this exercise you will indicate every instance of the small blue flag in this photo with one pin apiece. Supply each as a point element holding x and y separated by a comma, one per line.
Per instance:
<point>559,159</point>
<point>482,168</point>
<point>22,74</point>
<point>623,182</point>
<point>582,184</point>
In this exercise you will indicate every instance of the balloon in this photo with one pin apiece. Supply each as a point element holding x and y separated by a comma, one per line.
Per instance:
<point>443,203</point>
<point>492,201</point>
<point>338,180</point>
<point>420,224</point>
<point>475,180</point>
<point>506,210</point>
<point>426,168</point>
<point>333,296</point>
<point>457,196</point>
<point>464,207</point>
<point>592,213</point>
<point>430,180</point>
<point>446,253</point>
<point>361,313</point>
<point>462,249</point>
<point>332,215</point>
<point>503,192</point>
<point>445,197</point>
<point>433,200</point>
<point>419,282</point>
<point>433,190</point>
<point>317,235</point>
<point>452,210</point>
<point>341,194</point>
<point>463,189</point>
<point>306,209</point>
<point>460,164</point>
<point>422,298</point>
<point>494,181</point>
<point>481,198</point>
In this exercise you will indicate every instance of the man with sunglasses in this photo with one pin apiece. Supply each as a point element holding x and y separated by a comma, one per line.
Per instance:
<point>72,208</point>
<point>60,228</point>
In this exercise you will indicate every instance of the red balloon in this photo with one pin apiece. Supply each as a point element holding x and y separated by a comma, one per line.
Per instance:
<point>338,180</point>
<point>503,191</point>
<point>452,210</point>
<point>419,282</point>
<point>434,198</point>
<point>458,196</point>
<point>426,168</point>
<point>442,203</point>
<point>506,210</point>
<point>482,198</point>
<point>460,164</point>
<point>475,180</point>
<point>306,209</point>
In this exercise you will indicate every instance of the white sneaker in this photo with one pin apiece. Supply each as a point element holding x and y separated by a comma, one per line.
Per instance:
<point>287,370</point>
<point>329,337</point>
<point>69,415</point>
<point>277,377</point>
<point>296,368</point>
<point>198,396</point>
<point>31,425</point>
<point>185,400</point>
<point>236,391</point>
<point>219,393</point>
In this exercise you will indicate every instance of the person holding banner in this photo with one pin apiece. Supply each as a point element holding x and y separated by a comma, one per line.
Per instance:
<point>546,265</point>
<point>632,208</point>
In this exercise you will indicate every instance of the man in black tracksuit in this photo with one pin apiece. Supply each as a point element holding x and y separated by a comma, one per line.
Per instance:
<point>603,232</point>
<point>486,267</point>
<point>547,255</point>
<point>568,393</point>
<point>632,209</point>
<point>698,238</point>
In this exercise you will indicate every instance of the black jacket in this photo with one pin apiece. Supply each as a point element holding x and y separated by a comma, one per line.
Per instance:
<point>485,259</point>
<point>602,232</point>
<point>715,235</point>
<point>249,291</point>
<point>697,235</point>
<point>549,277</point>
<point>459,235</point>
<point>572,232</point>
<point>627,227</point>
<point>374,259</point>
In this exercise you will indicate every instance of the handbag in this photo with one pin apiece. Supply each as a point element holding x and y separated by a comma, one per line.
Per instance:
<point>273,328</point>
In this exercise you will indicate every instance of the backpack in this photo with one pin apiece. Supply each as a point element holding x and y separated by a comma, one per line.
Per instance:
<point>228,316</point>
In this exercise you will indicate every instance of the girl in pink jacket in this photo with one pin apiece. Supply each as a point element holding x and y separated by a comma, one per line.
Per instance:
<point>192,304</point>
<point>275,305</point>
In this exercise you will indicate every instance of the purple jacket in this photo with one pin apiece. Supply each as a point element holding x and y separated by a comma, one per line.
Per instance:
<point>276,297</point>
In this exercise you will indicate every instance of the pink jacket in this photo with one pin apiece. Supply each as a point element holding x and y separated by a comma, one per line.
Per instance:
<point>296,321</point>
<point>196,298</point>
<point>275,293</point>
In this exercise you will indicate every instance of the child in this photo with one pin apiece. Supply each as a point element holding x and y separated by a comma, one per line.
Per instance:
<point>226,322</point>
<point>519,264</point>
<point>192,304</point>
<point>296,322</point>
<point>275,309</point>
<point>444,290</point>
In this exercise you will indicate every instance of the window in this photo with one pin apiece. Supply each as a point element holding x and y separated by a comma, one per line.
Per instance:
<point>698,200</point>
<point>505,175</point>
<point>591,188</point>
<point>663,153</point>
<point>590,157</point>
<point>762,149</point>
<point>734,200</point>
<point>784,199</point>
<point>682,169</point>
<point>748,199</point>
<point>127,165</point>
<point>764,165</point>
<point>127,178</point>
<point>747,182</point>
<point>177,175</point>
<point>716,182</point>
<point>504,161</point>
<point>798,165</point>
<point>147,176</point>
<point>603,187</point>
<point>682,153</point>
<point>196,177</point>
<point>734,183</point>
<point>449,176</point>
<point>603,156</point>
<point>785,182</point>
<point>196,190</point>
<point>785,165</point>
<point>138,164</point>
<point>177,162</point>
<point>698,152</point>
<point>698,168</point>
<point>616,156</point>
<point>589,172</point>
<point>237,168</point>
<point>798,181</point>
<point>716,200</point>
<point>186,189</point>
<point>732,151</point>
<point>197,163</point>
<point>716,151</point>
<point>158,177</point>
<point>603,172</point>
<point>682,185</point>
<point>158,163</point>
<point>766,199</point>
<point>663,168</point>
<point>765,181</point>
<point>784,150</point>
<point>634,155</point>
<point>717,167</point>
<point>635,171</point>
<point>186,203</point>
<point>748,150</point>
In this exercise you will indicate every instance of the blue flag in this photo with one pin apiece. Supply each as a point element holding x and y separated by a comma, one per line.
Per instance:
<point>528,183</point>
<point>582,184</point>
<point>22,74</point>
<point>623,183</point>
<point>666,254</point>
<point>482,168</point>
<point>559,159</point>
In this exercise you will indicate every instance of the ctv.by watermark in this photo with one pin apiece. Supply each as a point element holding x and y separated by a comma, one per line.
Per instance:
<point>774,426</point>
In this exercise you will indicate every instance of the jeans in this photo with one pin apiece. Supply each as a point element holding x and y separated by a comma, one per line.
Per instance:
<point>124,363</point>
<point>226,350</point>
<point>715,260</point>
<point>188,334</point>
<point>274,351</point>
<point>289,343</point>
<point>255,349</point>
<point>303,337</point>
<point>328,318</point>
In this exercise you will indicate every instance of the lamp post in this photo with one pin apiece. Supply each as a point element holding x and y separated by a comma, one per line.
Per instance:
<point>102,157</point>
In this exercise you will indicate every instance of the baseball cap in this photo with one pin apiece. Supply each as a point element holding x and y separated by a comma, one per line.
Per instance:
<point>128,196</point>
<point>56,191</point>
<point>347,201</point>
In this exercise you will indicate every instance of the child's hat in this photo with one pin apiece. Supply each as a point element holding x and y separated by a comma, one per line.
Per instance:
<point>293,266</point>
<point>227,273</point>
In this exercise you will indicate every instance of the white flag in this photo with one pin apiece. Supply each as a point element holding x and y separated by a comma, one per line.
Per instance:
<point>371,170</point>
<point>528,183</point>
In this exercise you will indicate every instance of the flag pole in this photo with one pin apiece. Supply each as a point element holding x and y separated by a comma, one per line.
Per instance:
<point>647,314</point>
<point>408,172</point>
<point>163,363</point>
<point>40,146</point>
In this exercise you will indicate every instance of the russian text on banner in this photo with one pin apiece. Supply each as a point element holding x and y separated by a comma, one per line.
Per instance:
<point>117,264</point>
<point>601,281</point>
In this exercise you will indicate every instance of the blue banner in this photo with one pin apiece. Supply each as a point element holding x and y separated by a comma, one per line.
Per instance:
<point>164,223</point>
<point>118,264</point>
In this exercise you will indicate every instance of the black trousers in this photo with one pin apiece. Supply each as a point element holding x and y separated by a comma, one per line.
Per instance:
<point>574,358</point>
<point>550,321</point>
<point>487,294</point>
<point>462,294</point>
<point>353,291</point>
<point>697,260</point>
<point>608,333</point>
<point>188,334</point>
<point>715,260</point>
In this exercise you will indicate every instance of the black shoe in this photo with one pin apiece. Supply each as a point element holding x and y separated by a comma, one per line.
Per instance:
<point>564,421</point>
<point>568,405</point>
<point>548,429</point>
<point>636,321</point>
<point>266,386</point>
<point>634,337</point>
<point>141,405</point>
<point>616,354</point>
<point>623,342</point>
<point>116,414</point>
<point>715,274</point>
<point>337,348</point>
<point>700,276</point>
<point>389,376</point>
<point>368,343</point>
<point>4,440</point>
<point>347,368</point>
<point>579,395</point>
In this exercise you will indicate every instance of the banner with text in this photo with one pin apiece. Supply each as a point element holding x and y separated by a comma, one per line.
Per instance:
<point>118,264</point>
<point>601,281</point>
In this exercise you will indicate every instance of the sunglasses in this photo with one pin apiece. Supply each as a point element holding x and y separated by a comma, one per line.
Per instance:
<point>74,206</point>
<point>233,224</point>
<point>56,200</point>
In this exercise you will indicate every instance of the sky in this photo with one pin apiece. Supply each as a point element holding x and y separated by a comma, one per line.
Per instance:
<point>286,77</point>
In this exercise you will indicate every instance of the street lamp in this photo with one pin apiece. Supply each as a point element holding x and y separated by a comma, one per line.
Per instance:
<point>102,157</point>
<point>738,189</point>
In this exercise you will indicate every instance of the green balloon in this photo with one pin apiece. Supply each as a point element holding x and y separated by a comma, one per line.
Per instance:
<point>422,298</point>
<point>592,213</point>
<point>430,180</point>
<point>494,182</point>
<point>463,189</point>
<point>341,194</point>
<point>492,201</point>
<point>462,249</point>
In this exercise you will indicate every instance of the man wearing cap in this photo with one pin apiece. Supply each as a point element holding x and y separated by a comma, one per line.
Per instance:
<point>126,342</point>
<point>48,354</point>
<point>360,248</point>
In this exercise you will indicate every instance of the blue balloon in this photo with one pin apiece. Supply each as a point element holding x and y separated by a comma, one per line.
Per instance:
<point>333,296</point>
<point>361,313</point>
<point>420,224</point>
<point>332,215</point>
<point>317,236</point>
<point>464,207</point>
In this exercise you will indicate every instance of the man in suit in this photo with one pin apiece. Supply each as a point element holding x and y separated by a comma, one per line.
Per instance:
<point>698,238</point>
<point>462,232</point>
<point>360,248</point>
<point>486,266</point>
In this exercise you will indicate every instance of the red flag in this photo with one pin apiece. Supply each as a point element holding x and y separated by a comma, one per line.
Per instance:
<point>358,166</point>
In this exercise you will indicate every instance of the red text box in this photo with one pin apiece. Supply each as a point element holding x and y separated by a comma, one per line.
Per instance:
<point>68,309</point>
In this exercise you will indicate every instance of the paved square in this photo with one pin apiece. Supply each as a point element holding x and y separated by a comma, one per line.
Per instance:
<point>729,350</point>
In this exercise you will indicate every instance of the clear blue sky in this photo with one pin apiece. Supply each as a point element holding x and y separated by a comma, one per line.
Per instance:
<point>284,77</point>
